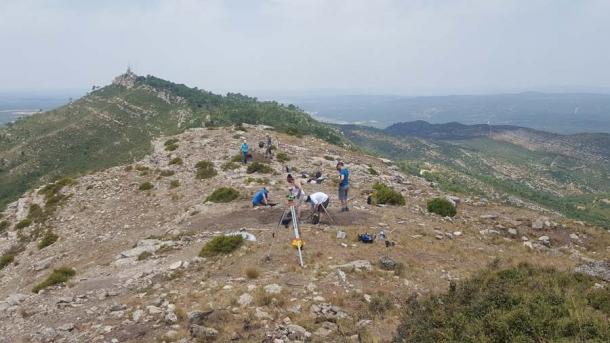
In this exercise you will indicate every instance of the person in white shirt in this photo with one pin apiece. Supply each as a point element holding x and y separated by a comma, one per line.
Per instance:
<point>316,200</point>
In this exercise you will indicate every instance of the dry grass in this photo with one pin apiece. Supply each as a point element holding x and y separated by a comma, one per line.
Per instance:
<point>252,272</point>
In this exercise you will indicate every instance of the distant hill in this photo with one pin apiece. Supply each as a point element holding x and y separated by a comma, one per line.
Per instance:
<point>560,113</point>
<point>453,130</point>
<point>569,174</point>
<point>116,124</point>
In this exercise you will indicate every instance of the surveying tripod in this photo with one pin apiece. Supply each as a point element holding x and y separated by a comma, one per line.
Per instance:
<point>297,242</point>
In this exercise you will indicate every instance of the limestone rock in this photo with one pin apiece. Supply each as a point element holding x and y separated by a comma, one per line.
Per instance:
<point>387,263</point>
<point>358,265</point>
<point>202,332</point>
<point>598,269</point>
<point>245,300</point>
<point>273,288</point>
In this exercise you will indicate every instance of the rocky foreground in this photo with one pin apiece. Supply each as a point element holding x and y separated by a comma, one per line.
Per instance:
<point>139,278</point>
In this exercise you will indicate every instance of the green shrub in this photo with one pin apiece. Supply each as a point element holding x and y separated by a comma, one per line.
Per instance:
<point>174,184</point>
<point>282,157</point>
<point>221,245</point>
<point>205,170</point>
<point>293,132</point>
<point>240,127</point>
<point>128,168</point>
<point>223,194</point>
<point>145,186</point>
<point>58,276</point>
<point>383,194</point>
<point>372,171</point>
<point>175,160</point>
<point>142,168</point>
<point>23,224</point>
<point>329,158</point>
<point>4,225</point>
<point>166,172</point>
<point>379,304</point>
<point>49,238</point>
<point>171,141</point>
<point>258,167</point>
<point>6,259</point>
<point>55,187</point>
<point>229,166</point>
<point>260,181</point>
<point>520,304</point>
<point>441,207</point>
<point>35,213</point>
<point>170,144</point>
<point>236,159</point>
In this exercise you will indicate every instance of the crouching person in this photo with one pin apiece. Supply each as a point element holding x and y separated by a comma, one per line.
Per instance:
<point>261,198</point>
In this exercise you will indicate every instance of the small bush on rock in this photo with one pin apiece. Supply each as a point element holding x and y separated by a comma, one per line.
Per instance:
<point>282,157</point>
<point>174,184</point>
<point>221,245</point>
<point>383,194</point>
<point>205,170</point>
<point>145,186</point>
<point>258,167</point>
<point>6,259</point>
<point>58,276</point>
<point>441,207</point>
<point>223,194</point>
<point>49,238</point>
<point>166,172</point>
<point>23,224</point>
<point>175,160</point>
<point>3,225</point>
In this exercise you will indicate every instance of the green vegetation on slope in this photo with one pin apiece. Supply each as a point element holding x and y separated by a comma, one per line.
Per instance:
<point>115,125</point>
<point>482,166</point>
<point>520,304</point>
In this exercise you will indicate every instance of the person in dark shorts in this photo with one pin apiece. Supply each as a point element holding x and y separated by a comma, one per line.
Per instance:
<point>343,185</point>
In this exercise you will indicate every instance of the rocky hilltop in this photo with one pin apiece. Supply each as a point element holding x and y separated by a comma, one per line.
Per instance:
<point>128,241</point>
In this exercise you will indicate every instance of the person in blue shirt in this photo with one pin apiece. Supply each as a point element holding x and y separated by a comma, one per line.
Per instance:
<point>261,198</point>
<point>343,185</point>
<point>244,152</point>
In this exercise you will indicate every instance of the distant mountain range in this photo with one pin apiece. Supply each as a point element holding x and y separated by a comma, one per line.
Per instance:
<point>560,113</point>
<point>116,124</point>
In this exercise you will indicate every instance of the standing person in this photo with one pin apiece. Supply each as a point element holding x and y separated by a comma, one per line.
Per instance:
<point>244,151</point>
<point>268,151</point>
<point>343,185</point>
<point>296,190</point>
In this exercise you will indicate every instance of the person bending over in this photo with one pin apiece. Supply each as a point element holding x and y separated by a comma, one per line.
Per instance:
<point>318,201</point>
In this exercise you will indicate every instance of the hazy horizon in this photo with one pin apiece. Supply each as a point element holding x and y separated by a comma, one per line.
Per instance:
<point>369,47</point>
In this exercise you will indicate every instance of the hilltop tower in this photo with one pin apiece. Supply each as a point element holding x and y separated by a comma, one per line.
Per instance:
<point>128,79</point>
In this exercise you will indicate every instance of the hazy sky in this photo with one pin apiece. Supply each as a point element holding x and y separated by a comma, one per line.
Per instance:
<point>402,47</point>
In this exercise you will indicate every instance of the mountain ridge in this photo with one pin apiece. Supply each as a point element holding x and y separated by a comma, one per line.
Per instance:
<point>116,124</point>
